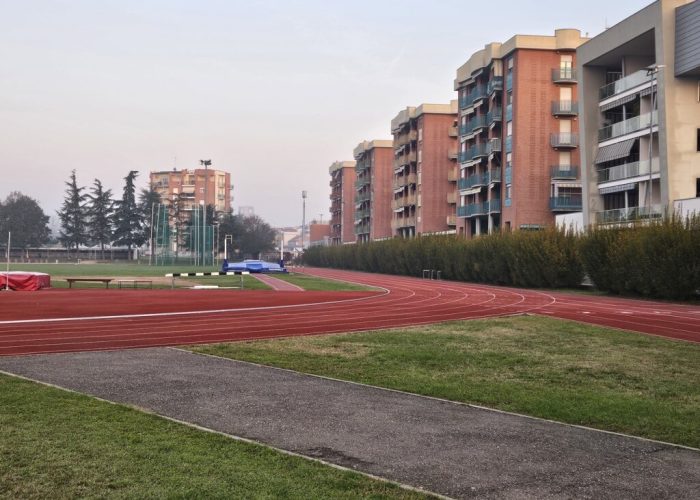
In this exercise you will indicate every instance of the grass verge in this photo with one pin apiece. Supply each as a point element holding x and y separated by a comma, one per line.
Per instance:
<point>57,444</point>
<point>544,367</point>
<point>313,283</point>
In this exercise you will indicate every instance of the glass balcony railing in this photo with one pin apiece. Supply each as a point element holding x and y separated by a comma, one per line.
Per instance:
<point>495,115</point>
<point>494,206</point>
<point>477,123</point>
<point>633,80</point>
<point>509,144</point>
<point>628,126</point>
<point>627,170</point>
<point>478,92</point>
<point>509,112</point>
<point>493,146</point>
<point>566,203</point>
<point>509,174</point>
<point>509,81</point>
<point>564,75</point>
<point>464,129</point>
<point>564,140</point>
<point>563,172</point>
<point>495,84</point>
<point>630,214</point>
<point>565,108</point>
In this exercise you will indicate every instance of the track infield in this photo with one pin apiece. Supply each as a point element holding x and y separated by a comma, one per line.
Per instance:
<point>87,320</point>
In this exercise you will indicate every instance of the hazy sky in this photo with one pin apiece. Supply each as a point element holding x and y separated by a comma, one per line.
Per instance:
<point>272,91</point>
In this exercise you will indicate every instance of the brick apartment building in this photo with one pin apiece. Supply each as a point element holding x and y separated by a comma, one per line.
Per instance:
<point>188,187</point>
<point>374,170</point>
<point>518,128</point>
<point>425,153</point>
<point>342,202</point>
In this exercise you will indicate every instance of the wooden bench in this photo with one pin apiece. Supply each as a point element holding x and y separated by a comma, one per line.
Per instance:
<point>134,283</point>
<point>106,281</point>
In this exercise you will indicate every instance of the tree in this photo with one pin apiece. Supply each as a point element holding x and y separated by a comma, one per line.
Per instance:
<point>251,235</point>
<point>99,209</point>
<point>127,218</point>
<point>148,199</point>
<point>23,216</point>
<point>73,215</point>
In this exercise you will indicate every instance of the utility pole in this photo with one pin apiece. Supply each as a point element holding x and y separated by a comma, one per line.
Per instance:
<point>7,274</point>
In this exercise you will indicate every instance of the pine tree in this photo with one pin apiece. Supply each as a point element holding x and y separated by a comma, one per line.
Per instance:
<point>73,215</point>
<point>100,207</point>
<point>127,218</point>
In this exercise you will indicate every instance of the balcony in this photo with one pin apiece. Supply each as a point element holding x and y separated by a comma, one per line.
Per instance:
<point>451,220</point>
<point>452,198</point>
<point>627,170</point>
<point>495,115</point>
<point>452,155</point>
<point>494,206</point>
<point>361,214</point>
<point>362,229</point>
<point>477,123</point>
<point>623,84</point>
<point>631,214</point>
<point>478,92</point>
<point>494,175</point>
<point>493,146</point>
<point>453,132</point>
<point>564,108</point>
<point>452,175</point>
<point>401,222</point>
<point>464,129</point>
<point>628,126</point>
<point>495,84</point>
<point>362,197</point>
<point>360,183</point>
<point>564,140</point>
<point>509,144</point>
<point>564,75</point>
<point>405,180</point>
<point>563,172</point>
<point>566,203</point>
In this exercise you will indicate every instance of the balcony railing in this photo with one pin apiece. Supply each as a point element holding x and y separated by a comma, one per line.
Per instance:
<point>495,175</point>
<point>464,129</point>
<point>362,197</point>
<point>633,80</point>
<point>404,221</point>
<point>564,75</point>
<point>452,132</point>
<point>478,92</point>
<point>451,220</point>
<point>564,140</point>
<point>627,170</point>
<point>495,115</point>
<point>362,182</point>
<point>494,206</point>
<point>493,146</point>
<point>496,83</point>
<point>452,198</point>
<point>362,214</point>
<point>509,144</point>
<point>628,126</point>
<point>509,112</point>
<point>631,214</point>
<point>477,123</point>
<point>564,108</point>
<point>362,229</point>
<point>452,175</point>
<point>566,203</point>
<point>563,172</point>
<point>509,81</point>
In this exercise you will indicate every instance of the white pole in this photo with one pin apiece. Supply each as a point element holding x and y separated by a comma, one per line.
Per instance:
<point>7,275</point>
<point>150,242</point>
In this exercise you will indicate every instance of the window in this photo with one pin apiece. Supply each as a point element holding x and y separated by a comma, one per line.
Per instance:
<point>698,144</point>
<point>509,191</point>
<point>509,129</point>
<point>697,187</point>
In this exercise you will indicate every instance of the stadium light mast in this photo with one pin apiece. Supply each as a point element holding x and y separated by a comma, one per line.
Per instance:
<point>7,274</point>
<point>206,163</point>
<point>303,218</point>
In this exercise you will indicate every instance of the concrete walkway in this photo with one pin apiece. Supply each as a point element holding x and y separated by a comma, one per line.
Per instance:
<point>276,283</point>
<point>453,449</point>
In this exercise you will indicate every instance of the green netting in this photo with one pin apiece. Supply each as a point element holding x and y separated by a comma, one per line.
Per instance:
<point>182,239</point>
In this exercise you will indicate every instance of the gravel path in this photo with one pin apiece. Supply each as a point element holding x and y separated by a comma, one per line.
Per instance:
<point>449,448</point>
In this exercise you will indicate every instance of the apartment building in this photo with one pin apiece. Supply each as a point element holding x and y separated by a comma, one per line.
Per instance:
<point>424,185</point>
<point>640,115</point>
<point>518,134</point>
<point>342,202</point>
<point>188,186</point>
<point>373,169</point>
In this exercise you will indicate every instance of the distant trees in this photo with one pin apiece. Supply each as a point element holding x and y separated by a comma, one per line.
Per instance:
<point>251,235</point>
<point>73,215</point>
<point>127,218</point>
<point>23,216</point>
<point>148,200</point>
<point>100,210</point>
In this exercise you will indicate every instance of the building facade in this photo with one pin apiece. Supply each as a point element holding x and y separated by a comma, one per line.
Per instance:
<point>342,202</point>
<point>640,115</point>
<point>188,187</point>
<point>518,134</point>
<point>425,153</point>
<point>373,186</point>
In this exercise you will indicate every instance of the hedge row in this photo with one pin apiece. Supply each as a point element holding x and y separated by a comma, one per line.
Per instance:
<point>660,260</point>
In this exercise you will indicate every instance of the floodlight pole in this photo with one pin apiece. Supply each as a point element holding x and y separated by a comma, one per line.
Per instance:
<point>7,274</point>
<point>206,163</point>
<point>303,218</point>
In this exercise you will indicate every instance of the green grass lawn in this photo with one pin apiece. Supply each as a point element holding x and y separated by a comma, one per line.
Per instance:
<point>543,367</point>
<point>57,444</point>
<point>313,283</point>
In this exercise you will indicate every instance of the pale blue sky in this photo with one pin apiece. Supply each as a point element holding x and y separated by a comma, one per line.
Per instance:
<point>272,91</point>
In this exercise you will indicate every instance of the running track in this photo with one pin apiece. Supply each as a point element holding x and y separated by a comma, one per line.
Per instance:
<point>86,320</point>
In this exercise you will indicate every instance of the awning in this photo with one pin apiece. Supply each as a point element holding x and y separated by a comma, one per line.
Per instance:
<point>467,192</point>
<point>617,189</point>
<point>618,102</point>
<point>568,184</point>
<point>614,151</point>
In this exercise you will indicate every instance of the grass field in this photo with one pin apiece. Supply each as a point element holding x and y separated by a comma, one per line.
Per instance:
<point>57,444</point>
<point>543,367</point>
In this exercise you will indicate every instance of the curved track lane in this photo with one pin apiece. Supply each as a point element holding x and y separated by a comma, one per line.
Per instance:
<point>64,321</point>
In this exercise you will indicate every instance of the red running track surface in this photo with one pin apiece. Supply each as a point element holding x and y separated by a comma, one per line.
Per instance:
<point>97,319</point>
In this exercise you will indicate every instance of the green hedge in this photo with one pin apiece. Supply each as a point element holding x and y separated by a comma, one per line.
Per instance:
<point>658,260</point>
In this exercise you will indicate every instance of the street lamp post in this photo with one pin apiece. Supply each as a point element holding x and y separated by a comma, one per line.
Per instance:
<point>652,72</point>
